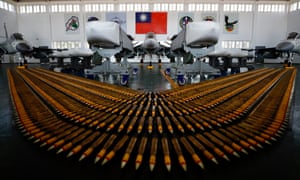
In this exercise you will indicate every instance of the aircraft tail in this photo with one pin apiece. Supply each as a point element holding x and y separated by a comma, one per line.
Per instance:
<point>6,35</point>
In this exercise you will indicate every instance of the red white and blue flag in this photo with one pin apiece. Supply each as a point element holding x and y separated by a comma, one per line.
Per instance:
<point>151,22</point>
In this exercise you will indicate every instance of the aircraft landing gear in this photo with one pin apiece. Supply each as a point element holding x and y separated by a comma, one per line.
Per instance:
<point>150,66</point>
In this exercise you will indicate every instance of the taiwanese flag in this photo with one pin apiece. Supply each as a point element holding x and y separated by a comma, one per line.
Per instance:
<point>151,22</point>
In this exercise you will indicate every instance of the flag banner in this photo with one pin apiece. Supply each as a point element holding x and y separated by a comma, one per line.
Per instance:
<point>72,24</point>
<point>209,16</point>
<point>151,22</point>
<point>184,18</point>
<point>117,17</point>
<point>231,23</point>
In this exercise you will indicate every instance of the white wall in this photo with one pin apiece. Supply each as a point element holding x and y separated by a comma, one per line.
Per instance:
<point>245,24</point>
<point>259,28</point>
<point>10,19</point>
<point>293,25</point>
<point>36,28</point>
<point>293,22</point>
<point>269,29</point>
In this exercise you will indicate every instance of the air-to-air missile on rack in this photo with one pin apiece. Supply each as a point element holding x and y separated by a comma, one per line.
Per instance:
<point>209,122</point>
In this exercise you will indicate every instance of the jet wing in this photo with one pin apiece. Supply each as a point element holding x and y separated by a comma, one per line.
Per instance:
<point>44,51</point>
<point>262,51</point>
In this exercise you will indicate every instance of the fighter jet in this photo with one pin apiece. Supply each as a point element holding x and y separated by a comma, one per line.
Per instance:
<point>233,59</point>
<point>108,39</point>
<point>150,46</point>
<point>13,44</point>
<point>285,49</point>
<point>79,57</point>
<point>17,44</point>
<point>197,39</point>
<point>290,46</point>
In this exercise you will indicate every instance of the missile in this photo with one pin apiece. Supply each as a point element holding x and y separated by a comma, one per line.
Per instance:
<point>228,141</point>
<point>89,151</point>
<point>250,140</point>
<point>200,120</point>
<point>199,126</point>
<point>188,125</point>
<point>141,150</point>
<point>150,124</point>
<point>221,144</point>
<point>177,123</point>
<point>116,121</point>
<point>165,147</point>
<point>137,113</point>
<point>118,146</point>
<point>167,110</point>
<point>132,110</point>
<point>161,112</point>
<point>103,117</point>
<point>141,125</point>
<point>106,121</point>
<point>75,141</point>
<point>236,138</point>
<point>199,146</point>
<point>178,151</point>
<point>159,125</point>
<point>169,125</point>
<point>60,134</point>
<point>192,152</point>
<point>184,109</point>
<point>76,149</point>
<point>128,151</point>
<point>146,109</point>
<point>258,138</point>
<point>254,130</point>
<point>125,109</point>
<point>107,144</point>
<point>153,151</point>
<point>153,111</point>
<point>123,123</point>
<point>131,124</point>
<point>177,111</point>
<point>212,146</point>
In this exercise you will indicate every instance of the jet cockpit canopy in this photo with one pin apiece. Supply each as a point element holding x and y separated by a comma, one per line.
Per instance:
<point>293,35</point>
<point>17,36</point>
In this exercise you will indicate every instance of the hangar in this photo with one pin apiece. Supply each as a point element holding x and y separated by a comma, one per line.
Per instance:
<point>188,89</point>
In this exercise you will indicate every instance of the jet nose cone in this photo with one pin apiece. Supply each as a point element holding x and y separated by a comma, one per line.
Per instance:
<point>285,46</point>
<point>23,47</point>
<point>150,44</point>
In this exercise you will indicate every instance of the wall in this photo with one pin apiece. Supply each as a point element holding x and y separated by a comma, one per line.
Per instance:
<point>269,28</point>
<point>293,25</point>
<point>10,20</point>
<point>36,28</point>
<point>293,21</point>
<point>258,28</point>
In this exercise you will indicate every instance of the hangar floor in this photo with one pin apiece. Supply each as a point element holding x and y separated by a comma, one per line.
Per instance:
<point>22,159</point>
